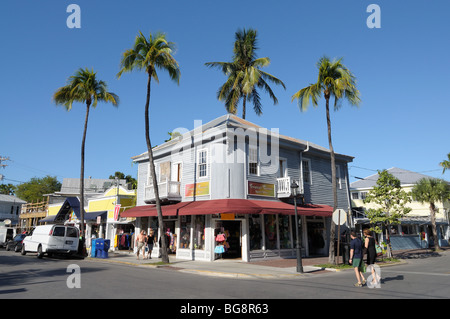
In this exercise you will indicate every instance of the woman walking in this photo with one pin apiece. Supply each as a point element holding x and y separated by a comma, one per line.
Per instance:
<point>369,244</point>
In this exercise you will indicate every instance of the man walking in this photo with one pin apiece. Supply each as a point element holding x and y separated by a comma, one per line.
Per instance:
<point>356,258</point>
<point>141,242</point>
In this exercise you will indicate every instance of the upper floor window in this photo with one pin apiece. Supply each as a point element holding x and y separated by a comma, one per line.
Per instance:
<point>338,177</point>
<point>355,195</point>
<point>202,163</point>
<point>253,161</point>
<point>306,168</point>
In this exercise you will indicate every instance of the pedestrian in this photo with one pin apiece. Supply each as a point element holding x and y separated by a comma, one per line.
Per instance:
<point>151,240</point>
<point>141,242</point>
<point>369,244</point>
<point>356,259</point>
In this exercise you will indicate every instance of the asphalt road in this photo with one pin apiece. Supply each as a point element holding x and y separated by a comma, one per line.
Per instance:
<point>24,277</point>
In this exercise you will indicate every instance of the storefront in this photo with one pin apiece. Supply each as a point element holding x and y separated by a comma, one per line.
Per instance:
<point>230,228</point>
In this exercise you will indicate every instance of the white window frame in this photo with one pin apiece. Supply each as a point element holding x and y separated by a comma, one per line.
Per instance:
<point>199,163</point>
<point>251,160</point>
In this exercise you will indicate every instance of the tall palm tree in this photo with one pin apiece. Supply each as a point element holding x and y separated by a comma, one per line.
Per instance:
<point>245,75</point>
<point>431,190</point>
<point>445,164</point>
<point>149,55</point>
<point>335,80</point>
<point>84,87</point>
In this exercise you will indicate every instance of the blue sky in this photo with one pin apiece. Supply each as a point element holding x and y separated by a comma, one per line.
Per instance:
<point>402,71</point>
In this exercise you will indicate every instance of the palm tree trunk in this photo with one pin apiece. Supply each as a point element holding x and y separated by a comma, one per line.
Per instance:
<point>243,106</point>
<point>163,248</point>
<point>331,257</point>
<point>83,143</point>
<point>433,226</point>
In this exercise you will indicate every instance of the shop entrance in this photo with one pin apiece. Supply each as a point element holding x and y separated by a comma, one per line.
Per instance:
<point>171,237</point>
<point>233,238</point>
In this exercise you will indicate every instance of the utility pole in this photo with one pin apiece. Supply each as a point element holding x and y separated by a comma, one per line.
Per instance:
<point>2,159</point>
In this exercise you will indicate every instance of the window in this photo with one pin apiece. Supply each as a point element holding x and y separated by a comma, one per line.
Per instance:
<point>72,232</point>
<point>284,232</point>
<point>199,231</point>
<point>255,232</point>
<point>59,231</point>
<point>338,177</point>
<point>271,231</point>
<point>355,196</point>
<point>363,195</point>
<point>185,231</point>
<point>202,164</point>
<point>306,164</point>
<point>253,161</point>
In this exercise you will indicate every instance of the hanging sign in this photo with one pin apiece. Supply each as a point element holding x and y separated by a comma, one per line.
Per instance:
<point>116,212</point>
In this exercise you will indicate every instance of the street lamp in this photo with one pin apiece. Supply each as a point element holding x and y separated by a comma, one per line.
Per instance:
<point>294,190</point>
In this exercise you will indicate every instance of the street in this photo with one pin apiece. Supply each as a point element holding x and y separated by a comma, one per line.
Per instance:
<point>28,277</point>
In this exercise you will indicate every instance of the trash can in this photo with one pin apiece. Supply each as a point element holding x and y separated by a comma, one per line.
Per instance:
<point>99,246</point>
<point>93,246</point>
<point>106,246</point>
<point>102,247</point>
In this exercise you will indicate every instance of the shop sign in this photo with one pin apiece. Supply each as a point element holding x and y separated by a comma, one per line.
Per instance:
<point>197,189</point>
<point>261,189</point>
<point>227,216</point>
<point>116,212</point>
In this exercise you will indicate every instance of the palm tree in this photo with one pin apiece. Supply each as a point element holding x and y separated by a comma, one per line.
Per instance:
<point>149,55</point>
<point>84,87</point>
<point>245,75</point>
<point>334,80</point>
<point>431,190</point>
<point>445,164</point>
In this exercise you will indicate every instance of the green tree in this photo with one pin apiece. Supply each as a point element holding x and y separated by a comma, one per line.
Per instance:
<point>128,178</point>
<point>445,164</point>
<point>335,80</point>
<point>390,200</point>
<point>150,55</point>
<point>34,190</point>
<point>431,191</point>
<point>245,75</point>
<point>7,189</point>
<point>84,87</point>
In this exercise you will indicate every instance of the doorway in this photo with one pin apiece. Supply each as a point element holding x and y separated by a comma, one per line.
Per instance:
<point>233,231</point>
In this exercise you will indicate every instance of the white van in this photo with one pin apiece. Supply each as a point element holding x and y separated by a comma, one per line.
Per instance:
<point>51,239</point>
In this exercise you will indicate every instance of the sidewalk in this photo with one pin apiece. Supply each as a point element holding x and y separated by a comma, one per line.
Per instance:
<point>264,269</point>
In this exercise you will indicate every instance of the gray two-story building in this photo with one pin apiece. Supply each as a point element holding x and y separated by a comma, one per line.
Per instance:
<point>225,187</point>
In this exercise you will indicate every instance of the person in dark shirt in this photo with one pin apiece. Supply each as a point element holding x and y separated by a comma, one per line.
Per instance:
<point>356,258</point>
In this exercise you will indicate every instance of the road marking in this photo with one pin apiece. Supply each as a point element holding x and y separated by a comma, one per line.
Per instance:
<point>416,273</point>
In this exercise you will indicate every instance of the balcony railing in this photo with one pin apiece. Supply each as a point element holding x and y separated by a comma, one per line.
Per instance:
<point>168,190</point>
<point>284,187</point>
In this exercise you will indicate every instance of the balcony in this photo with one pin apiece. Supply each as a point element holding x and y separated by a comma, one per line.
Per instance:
<point>168,191</point>
<point>284,187</point>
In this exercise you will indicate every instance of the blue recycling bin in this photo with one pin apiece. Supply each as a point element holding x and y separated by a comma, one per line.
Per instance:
<point>99,246</point>
<point>102,247</point>
<point>106,246</point>
<point>93,248</point>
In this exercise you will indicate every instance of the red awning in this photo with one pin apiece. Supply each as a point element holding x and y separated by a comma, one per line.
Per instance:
<point>236,206</point>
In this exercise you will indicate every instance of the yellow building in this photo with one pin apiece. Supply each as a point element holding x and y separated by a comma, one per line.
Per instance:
<point>414,231</point>
<point>103,206</point>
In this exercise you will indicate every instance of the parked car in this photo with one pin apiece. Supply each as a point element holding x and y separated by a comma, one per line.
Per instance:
<point>50,239</point>
<point>15,243</point>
